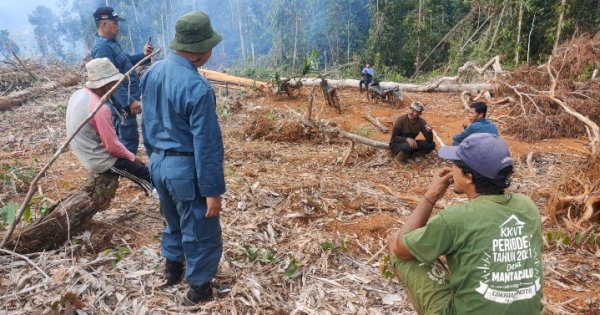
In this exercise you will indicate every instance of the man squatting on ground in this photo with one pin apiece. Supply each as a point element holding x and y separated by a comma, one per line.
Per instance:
<point>492,243</point>
<point>125,101</point>
<point>96,145</point>
<point>405,130</point>
<point>180,128</point>
<point>478,123</point>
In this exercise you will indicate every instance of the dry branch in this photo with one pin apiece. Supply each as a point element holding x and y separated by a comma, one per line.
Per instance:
<point>325,127</point>
<point>595,130</point>
<point>347,156</point>
<point>42,172</point>
<point>376,123</point>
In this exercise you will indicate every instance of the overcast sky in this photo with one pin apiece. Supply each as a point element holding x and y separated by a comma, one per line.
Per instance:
<point>13,17</point>
<point>13,13</point>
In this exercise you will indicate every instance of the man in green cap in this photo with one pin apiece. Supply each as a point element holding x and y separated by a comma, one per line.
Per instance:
<point>182,134</point>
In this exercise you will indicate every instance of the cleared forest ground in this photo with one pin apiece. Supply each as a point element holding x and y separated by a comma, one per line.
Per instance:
<point>304,232</point>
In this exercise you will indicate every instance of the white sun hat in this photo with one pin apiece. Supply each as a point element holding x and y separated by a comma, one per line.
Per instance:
<point>100,72</point>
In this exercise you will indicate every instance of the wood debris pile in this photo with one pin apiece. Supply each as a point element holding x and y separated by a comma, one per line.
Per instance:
<point>573,70</point>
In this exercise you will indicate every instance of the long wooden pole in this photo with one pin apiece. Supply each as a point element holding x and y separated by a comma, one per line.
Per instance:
<point>42,172</point>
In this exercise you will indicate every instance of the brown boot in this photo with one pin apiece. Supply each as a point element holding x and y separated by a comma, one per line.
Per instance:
<point>400,158</point>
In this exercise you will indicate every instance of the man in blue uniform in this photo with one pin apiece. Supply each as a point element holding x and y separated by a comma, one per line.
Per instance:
<point>479,124</point>
<point>180,128</point>
<point>125,101</point>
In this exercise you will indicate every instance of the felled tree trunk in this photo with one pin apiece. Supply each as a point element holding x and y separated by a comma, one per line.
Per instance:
<point>20,97</point>
<point>441,86</point>
<point>69,216</point>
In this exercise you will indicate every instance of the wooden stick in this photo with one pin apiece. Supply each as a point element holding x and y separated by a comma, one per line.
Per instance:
<point>376,123</point>
<point>311,99</point>
<point>42,172</point>
<point>409,198</point>
<point>27,260</point>
<point>437,137</point>
<point>20,62</point>
<point>348,153</point>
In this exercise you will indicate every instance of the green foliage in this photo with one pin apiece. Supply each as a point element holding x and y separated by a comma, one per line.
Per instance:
<point>292,269</point>
<point>38,202</point>
<point>8,212</point>
<point>561,237</point>
<point>386,268</point>
<point>253,253</point>
<point>272,115</point>
<point>334,247</point>
<point>223,108</point>
<point>363,131</point>
<point>17,175</point>
<point>117,254</point>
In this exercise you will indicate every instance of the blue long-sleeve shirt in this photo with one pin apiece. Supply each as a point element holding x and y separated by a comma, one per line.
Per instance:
<point>368,71</point>
<point>479,126</point>
<point>129,90</point>
<point>180,115</point>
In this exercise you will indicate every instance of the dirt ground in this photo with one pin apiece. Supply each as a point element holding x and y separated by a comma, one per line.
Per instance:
<point>303,232</point>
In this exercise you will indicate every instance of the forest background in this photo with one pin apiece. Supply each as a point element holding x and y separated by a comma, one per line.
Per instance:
<point>402,39</point>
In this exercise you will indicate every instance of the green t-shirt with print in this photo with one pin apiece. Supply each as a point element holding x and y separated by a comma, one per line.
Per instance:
<point>493,245</point>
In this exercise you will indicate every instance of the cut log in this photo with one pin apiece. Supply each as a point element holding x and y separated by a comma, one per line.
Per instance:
<point>442,84</point>
<point>68,217</point>
<point>20,97</point>
<point>376,123</point>
<point>219,77</point>
<point>441,87</point>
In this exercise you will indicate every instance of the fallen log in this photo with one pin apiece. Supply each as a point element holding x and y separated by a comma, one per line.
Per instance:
<point>405,87</point>
<point>68,217</point>
<point>376,123</point>
<point>18,98</point>
<point>442,84</point>
<point>215,76</point>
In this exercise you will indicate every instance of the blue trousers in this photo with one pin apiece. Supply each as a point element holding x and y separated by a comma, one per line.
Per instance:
<point>189,236</point>
<point>127,131</point>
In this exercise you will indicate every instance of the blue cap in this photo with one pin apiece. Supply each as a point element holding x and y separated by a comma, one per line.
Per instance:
<point>484,153</point>
<point>107,13</point>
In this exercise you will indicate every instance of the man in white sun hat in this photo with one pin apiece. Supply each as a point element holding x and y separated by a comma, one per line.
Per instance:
<point>96,145</point>
<point>492,243</point>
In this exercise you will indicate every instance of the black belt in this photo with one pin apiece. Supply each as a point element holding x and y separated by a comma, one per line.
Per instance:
<point>173,153</point>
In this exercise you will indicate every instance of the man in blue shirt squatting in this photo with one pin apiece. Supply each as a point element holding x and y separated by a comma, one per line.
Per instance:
<point>180,128</point>
<point>479,124</point>
<point>492,243</point>
<point>125,100</point>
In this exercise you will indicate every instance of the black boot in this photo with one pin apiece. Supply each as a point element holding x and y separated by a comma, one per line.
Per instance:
<point>197,294</point>
<point>173,272</point>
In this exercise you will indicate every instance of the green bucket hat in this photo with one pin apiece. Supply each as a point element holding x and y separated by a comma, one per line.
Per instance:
<point>194,33</point>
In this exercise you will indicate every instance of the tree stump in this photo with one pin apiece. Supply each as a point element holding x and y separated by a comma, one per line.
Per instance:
<point>68,217</point>
<point>331,95</point>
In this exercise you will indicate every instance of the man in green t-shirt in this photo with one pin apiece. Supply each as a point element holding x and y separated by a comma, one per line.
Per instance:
<point>492,243</point>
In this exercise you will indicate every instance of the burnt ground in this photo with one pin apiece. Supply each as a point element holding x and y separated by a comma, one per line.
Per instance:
<point>304,233</point>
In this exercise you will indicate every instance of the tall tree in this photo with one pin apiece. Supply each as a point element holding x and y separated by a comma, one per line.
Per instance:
<point>47,35</point>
